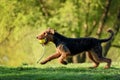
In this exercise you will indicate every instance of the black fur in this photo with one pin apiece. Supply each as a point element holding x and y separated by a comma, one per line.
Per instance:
<point>77,45</point>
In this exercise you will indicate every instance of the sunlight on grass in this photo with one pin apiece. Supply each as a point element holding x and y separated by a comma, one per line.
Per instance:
<point>60,72</point>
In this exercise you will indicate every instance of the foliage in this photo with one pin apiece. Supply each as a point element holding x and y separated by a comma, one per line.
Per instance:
<point>22,20</point>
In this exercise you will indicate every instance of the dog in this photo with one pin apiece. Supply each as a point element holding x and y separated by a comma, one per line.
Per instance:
<point>71,46</point>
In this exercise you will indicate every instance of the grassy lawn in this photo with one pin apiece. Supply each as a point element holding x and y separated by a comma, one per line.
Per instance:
<point>60,72</point>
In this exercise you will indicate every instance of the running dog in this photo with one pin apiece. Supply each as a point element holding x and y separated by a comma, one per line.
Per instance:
<point>71,46</point>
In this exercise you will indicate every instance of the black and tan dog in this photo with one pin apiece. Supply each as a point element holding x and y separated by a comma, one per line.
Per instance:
<point>71,46</point>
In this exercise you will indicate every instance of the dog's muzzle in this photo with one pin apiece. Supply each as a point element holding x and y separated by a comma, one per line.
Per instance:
<point>43,41</point>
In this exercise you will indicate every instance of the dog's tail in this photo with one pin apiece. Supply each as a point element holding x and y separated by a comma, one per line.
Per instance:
<point>111,36</point>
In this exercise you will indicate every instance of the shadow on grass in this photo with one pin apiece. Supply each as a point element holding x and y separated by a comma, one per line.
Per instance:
<point>58,73</point>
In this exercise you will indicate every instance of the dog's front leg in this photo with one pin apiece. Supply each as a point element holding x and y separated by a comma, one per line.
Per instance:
<point>65,52</point>
<point>54,56</point>
<point>62,59</point>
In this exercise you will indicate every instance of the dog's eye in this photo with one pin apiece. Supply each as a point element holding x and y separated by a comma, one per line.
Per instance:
<point>45,34</point>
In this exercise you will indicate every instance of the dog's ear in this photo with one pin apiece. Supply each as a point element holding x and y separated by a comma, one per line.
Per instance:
<point>52,31</point>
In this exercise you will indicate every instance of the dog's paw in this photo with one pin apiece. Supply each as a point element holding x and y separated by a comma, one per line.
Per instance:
<point>42,63</point>
<point>92,67</point>
<point>106,67</point>
<point>64,62</point>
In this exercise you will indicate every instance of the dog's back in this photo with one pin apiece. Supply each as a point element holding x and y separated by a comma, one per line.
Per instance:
<point>78,45</point>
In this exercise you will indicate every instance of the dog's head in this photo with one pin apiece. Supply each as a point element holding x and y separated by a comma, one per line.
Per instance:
<point>47,36</point>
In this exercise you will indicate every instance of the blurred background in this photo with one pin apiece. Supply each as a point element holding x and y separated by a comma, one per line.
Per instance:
<point>22,20</point>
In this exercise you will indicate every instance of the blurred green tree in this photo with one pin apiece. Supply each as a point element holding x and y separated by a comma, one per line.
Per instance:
<point>21,20</point>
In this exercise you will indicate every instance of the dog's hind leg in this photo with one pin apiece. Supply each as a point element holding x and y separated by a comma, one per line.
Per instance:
<point>96,64</point>
<point>97,53</point>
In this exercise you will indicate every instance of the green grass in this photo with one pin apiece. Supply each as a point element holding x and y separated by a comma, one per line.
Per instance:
<point>60,72</point>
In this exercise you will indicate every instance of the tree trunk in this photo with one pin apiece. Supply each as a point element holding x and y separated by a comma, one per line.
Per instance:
<point>116,28</point>
<point>103,18</point>
<point>43,8</point>
<point>10,30</point>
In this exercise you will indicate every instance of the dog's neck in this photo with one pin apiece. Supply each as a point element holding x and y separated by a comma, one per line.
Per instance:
<point>58,38</point>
